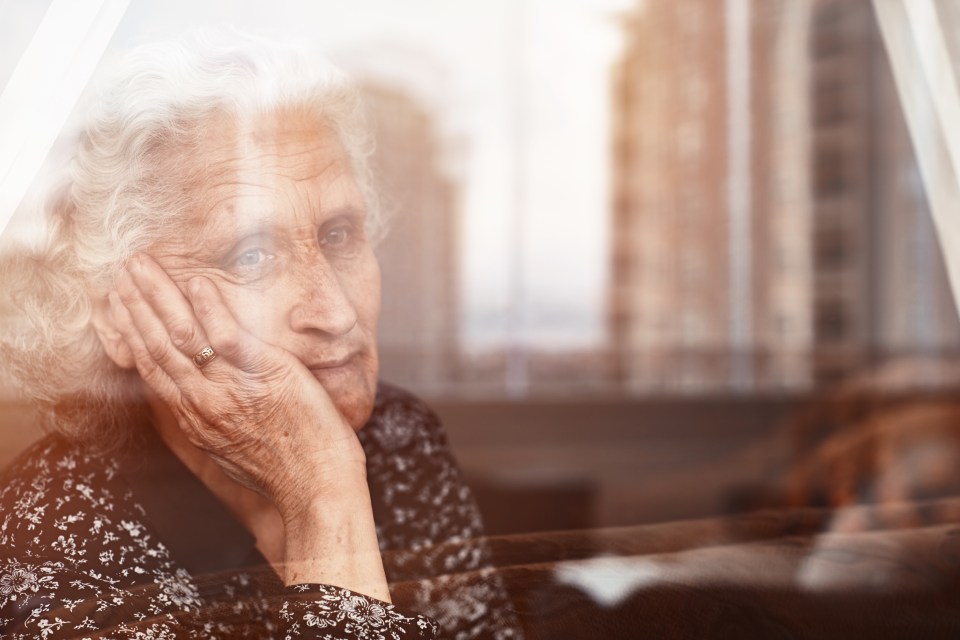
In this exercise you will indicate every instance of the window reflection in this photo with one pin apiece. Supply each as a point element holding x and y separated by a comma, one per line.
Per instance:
<point>769,352</point>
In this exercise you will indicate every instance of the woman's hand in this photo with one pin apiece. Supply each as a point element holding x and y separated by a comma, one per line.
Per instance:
<point>255,409</point>
<point>261,415</point>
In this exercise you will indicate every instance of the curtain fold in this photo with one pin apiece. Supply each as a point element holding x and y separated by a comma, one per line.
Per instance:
<point>922,39</point>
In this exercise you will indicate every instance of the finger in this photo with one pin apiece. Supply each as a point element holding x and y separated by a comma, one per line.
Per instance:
<point>149,370</point>
<point>230,339</point>
<point>153,333</point>
<point>170,306</point>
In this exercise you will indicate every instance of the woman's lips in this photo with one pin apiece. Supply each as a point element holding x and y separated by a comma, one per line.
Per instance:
<point>330,367</point>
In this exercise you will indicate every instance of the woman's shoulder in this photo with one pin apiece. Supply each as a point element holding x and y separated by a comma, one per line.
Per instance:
<point>400,420</point>
<point>48,484</point>
<point>50,456</point>
<point>53,454</point>
<point>391,396</point>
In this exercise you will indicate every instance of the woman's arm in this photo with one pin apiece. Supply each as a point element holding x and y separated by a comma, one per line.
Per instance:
<point>262,416</point>
<point>329,541</point>
<point>79,557</point>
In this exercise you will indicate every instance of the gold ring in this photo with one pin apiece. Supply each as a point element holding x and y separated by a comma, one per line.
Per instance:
<point>204,356</point>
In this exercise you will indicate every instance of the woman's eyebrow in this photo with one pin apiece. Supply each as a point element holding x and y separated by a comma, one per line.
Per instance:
<point>343,211</point>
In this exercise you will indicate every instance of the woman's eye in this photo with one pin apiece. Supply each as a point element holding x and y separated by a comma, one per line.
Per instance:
<point>251,258</point>
<point>252,265</point>
<point>337,236</point>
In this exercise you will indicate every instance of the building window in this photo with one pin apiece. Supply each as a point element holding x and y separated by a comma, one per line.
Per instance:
<point>830,105</point>
<point>831,171</point>
<point>831,321</point>
<point>832,250</point>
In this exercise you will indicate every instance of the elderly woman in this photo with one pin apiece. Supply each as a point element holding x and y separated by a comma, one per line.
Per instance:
<point>200,336</point>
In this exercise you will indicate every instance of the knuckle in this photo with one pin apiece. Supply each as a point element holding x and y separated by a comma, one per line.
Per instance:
<point>183,334</point>
<point>158,349</point>
<point>151,290</point>
<point>128,296</point>
<point>148,369</point>
<point>204,309</point>
<point>229,342</point>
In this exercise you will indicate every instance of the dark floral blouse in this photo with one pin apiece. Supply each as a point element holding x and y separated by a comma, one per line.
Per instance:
<point>135,546</point>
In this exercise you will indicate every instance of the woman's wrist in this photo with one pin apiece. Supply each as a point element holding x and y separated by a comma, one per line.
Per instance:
<point>326,486</point>
<point>321,497</point>
<point>333,540</point>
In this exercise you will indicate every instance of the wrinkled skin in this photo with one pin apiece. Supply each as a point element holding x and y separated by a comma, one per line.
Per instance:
<point>274,270</point>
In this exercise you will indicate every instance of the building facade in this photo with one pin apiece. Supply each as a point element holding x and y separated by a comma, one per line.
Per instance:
<point>770,228</point>
<point>418,335</point>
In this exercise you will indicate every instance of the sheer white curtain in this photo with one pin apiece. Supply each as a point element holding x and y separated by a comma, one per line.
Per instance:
<point>44,85</point>
<point>922,38</point>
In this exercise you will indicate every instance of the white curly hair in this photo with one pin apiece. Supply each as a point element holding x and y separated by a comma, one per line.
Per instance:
<point>113,197</point>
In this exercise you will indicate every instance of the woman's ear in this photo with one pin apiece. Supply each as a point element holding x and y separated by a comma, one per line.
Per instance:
<point>110,337</point>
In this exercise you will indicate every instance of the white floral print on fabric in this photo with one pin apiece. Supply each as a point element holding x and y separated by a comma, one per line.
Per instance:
<point>18,581</point>
<point>80,556</point>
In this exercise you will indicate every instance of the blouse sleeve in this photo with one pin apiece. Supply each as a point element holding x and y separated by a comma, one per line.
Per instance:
<point>78,559</point>
<point>320,611</point>
<point>435,554</point>
<point>45,603</point>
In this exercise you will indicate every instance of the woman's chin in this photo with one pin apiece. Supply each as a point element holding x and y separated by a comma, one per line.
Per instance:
<point>352,391</point>
<point>357,410</point>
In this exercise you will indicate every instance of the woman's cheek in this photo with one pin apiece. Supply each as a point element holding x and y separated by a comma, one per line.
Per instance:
<point>256,310</point>
<point>369,289</point>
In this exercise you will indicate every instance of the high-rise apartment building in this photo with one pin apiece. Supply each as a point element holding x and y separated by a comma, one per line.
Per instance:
<point>770,227</point>
<point>419,316</point>
<point>881,288</point>
<point>711,269</point>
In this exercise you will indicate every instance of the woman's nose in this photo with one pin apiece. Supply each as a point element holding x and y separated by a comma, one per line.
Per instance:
<point>323,304</point>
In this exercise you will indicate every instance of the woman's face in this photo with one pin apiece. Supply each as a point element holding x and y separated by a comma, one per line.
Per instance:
<point>278,226</point>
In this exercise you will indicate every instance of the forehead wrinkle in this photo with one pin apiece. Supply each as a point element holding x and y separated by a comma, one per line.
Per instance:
<point>254,179</point>
<point>251,213</point>
<point>273,161</point>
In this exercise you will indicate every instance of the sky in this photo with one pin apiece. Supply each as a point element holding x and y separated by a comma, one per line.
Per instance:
<point>520,90</point>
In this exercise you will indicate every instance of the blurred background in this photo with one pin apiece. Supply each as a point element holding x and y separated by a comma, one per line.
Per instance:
<point>649,260</point>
